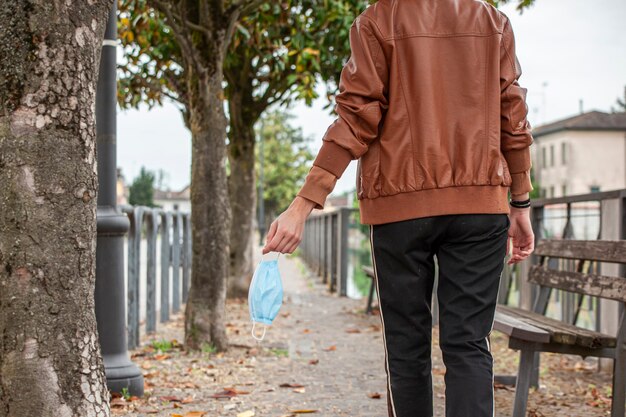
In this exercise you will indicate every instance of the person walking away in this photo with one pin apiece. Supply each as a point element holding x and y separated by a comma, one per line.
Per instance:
<point>430,105</point>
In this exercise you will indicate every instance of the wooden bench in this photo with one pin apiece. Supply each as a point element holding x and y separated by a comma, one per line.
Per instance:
<point>532,332</point>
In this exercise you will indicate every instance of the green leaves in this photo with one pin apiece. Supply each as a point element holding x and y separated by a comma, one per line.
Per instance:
<point>151,69</point>
<point>287,160</point>
<point>521,4</point>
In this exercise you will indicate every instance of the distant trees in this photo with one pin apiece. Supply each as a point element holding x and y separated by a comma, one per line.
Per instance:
<point>286,158</point>
<point>141,191</point>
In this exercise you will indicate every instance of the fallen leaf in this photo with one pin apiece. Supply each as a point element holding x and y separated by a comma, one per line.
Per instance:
<point>288,385</point>
<point>236,391</point>
<point>303,411</point>
<point>374,395</point>
<point>170,398</point>
<point>331,348</point>
<point>248,413</point>
<point>118,402</point>
<point>299,390</point>
<point>195,413</point>
<point>353,331</point>
<point>227,393</point>
<point>161,357</point>
<point>314,361</point>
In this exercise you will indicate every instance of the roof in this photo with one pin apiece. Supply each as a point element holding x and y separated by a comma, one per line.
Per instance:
<point>593,120</point>
<point>172,195</point>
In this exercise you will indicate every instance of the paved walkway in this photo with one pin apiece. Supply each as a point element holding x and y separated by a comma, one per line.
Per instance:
<point>322,354</point>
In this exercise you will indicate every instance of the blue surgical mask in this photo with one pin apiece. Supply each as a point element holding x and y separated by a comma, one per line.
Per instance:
<point>265,295</point>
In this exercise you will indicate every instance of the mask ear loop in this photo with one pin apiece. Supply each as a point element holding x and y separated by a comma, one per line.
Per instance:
<point>254,335</point>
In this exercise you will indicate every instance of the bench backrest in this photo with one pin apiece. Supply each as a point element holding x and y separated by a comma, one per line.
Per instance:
<point>602,286</point>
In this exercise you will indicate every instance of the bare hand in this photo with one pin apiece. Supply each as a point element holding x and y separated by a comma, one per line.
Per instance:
<point>521,235</point>
<point>285,232</point>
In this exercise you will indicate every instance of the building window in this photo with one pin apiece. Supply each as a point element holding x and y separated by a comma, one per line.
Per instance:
<point>551,155</point>
<point>564,153</point>
<point>552,191</point>
<point>544,159</point>
<point>594,188</point>
<point>563,190</point>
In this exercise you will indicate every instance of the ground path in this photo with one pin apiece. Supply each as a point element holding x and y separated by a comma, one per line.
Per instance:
<point>331,355</point>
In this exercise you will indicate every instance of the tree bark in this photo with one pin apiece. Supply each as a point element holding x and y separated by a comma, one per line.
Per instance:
<point>50,361</point>
<point>210,215</point>
<point>242,186</point>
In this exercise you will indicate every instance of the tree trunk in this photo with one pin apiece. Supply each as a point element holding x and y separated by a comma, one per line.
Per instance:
<point>242,186</point>
<point>50,362</point>
<point>210,215</point>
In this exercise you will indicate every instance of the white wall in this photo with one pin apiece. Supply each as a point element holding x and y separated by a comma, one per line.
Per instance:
<point>594,158</point>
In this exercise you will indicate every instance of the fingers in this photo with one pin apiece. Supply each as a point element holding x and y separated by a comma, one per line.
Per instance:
<point>271,232</point>
<point>520,253</point>
<point>282,240</point>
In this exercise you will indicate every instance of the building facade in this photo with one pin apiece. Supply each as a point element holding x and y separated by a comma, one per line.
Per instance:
<point>582,154</point>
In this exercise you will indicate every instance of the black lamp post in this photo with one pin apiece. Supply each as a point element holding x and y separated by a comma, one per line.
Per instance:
<point>110,297</point>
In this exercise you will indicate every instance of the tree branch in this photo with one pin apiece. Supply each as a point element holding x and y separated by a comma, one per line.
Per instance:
<point>179,29</point>
<point>243,7</point>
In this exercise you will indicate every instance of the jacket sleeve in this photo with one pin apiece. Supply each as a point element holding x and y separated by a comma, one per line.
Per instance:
<point>360,106</point>
<point>516,137</point>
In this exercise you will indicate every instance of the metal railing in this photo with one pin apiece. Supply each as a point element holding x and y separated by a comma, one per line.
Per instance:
<point>171,233</point>
<point>332,238</point>
<point>325,247</point>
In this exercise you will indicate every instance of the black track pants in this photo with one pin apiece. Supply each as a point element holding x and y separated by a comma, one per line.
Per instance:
<point>470,250</point>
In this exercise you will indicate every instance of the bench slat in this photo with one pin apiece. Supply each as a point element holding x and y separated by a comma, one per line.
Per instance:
<point>561,332</point>
<point>518,329</point>
<point>592,250</point>
<point>613,288</point>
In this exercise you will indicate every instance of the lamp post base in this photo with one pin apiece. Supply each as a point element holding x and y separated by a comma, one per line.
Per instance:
<point>122,373</point>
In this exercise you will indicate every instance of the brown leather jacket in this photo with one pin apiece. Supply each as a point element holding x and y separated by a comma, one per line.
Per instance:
<point>430,105</point>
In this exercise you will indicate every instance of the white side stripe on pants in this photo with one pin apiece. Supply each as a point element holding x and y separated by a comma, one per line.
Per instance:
<point>382,321</point>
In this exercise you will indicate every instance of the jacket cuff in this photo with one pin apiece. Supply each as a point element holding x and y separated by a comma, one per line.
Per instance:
<point>518,160</point>
<point>317,185</point>
<point>520,183</point>
<point>333,158</point>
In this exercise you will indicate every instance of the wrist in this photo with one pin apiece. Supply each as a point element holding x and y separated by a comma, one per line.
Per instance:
<point>520,197</point>
<point>302,205</point>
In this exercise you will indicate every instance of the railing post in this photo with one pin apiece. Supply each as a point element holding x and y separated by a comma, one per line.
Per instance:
<point>134,270</point>
<point>152,233</point>
<point>186,254</point>
<point>166,222</point>
<point>177,216</point>
<point>318,245</point>
<point>328,252</point>
<point>611,228</point>
<point>323,249</point>
<point>333,251</point>
<point>342,262</point>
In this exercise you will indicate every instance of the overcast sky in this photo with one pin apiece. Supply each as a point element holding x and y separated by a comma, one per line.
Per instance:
<point>570,50</point>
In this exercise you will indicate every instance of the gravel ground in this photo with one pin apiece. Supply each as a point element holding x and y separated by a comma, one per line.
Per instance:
<point>325,356</point>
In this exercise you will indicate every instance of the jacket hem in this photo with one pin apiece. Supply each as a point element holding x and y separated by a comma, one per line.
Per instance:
<point>473,199</point>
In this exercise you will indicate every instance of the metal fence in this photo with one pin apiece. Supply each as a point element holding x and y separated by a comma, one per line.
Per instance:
<point>160,242</point>
<point>332,242</point>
